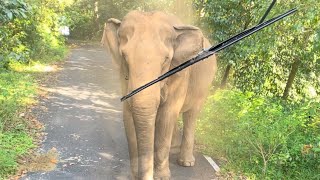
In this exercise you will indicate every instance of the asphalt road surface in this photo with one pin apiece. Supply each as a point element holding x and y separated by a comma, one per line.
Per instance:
<point>84,123</point>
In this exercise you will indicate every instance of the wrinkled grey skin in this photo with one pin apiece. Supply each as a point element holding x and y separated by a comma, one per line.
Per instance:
<point>144,46</point>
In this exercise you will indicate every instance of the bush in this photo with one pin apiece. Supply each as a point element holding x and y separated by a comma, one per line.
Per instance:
<point>262,137</point>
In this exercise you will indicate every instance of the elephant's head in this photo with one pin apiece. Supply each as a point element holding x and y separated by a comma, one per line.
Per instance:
<point>146,45</point>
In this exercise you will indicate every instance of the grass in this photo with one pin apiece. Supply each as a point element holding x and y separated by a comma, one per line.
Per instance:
<point>18,90</point>
<point>12,145</point>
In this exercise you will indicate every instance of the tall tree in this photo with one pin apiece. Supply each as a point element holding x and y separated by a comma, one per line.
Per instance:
<point>261,62</point>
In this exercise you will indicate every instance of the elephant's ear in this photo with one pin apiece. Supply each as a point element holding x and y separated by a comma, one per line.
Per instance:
<point>188,43</point>
<point>110,39</point>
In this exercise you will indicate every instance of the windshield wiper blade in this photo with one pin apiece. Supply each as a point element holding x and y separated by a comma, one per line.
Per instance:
<point>212,50</point>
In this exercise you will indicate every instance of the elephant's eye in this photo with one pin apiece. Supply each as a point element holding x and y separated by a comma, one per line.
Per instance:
<point>123,39</point>
<point>124,55</point>
<point>166,60</point>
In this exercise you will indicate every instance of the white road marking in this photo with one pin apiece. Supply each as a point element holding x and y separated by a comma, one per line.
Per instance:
<point>212,163</point>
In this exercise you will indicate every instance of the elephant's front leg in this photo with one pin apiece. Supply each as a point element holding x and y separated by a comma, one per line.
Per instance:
<point>165,123</point>
<point>132,140</point>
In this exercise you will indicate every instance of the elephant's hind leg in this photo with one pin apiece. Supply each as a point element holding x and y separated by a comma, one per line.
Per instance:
<point>186,157</point>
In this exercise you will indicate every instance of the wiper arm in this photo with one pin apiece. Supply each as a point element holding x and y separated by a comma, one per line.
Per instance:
<point>212,50</point>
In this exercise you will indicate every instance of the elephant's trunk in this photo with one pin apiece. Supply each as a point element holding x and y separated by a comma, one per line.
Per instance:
<point>144,107</point>
<point>144,126</point>
<point>143,68</point>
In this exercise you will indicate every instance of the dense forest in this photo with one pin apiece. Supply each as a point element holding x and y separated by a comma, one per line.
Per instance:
<point>262,120</point>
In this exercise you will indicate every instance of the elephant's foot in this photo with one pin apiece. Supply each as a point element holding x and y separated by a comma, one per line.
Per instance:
<point>162,173</point>
<point>186,161</point>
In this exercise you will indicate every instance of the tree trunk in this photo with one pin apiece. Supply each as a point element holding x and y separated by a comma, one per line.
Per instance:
<point>225,76</point>
<point>292,75</point>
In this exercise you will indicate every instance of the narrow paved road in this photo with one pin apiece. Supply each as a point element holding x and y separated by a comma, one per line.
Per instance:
<point>83,122</point>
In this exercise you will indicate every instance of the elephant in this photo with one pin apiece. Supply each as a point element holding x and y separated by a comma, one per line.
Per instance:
<point>143,46</point>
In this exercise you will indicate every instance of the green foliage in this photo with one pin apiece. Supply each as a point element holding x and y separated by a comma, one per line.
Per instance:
<point>262,137</point>
<point>11,9</point>
<point>12,145</point>
<point>80,17</point>
<point>86,18</point>
<point>33,35</point>
<point>261,63</point>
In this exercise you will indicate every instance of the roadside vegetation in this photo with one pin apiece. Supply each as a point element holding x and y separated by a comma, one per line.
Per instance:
<point>262,120</point>
<point>261,137</point>
<point>29,44</point>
